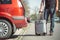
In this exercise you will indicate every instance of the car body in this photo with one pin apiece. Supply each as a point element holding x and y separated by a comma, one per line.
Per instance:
<point>12,11</point>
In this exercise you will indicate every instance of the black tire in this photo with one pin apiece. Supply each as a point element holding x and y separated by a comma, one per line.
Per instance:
<point>7,28</point>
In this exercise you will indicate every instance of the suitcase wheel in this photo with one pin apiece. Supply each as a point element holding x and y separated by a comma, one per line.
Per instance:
<point>44,34</point>
<point>38,34</point>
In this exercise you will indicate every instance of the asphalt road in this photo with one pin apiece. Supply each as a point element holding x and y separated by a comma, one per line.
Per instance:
<point>28,33</point>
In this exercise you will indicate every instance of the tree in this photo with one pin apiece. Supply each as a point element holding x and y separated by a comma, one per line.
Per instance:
<point>25,4</point>
<point>35,14</point>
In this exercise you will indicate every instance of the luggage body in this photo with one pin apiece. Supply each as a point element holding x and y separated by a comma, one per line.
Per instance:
<point>40,23</point>
<point>40,27</point>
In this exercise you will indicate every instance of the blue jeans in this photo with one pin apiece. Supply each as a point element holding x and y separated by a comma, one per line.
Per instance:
<point>50,12</point>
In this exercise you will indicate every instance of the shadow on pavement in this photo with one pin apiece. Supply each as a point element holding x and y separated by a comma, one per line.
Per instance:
<point>2,39</point>
<point>26,35</point>
<point>33,35</point>
<point>16,36</point>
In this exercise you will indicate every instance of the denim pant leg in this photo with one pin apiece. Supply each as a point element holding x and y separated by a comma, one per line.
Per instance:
<point>52,19</point>
<point>46,15</point>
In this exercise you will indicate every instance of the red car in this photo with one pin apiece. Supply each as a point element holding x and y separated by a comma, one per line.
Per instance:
<point>11,17</point>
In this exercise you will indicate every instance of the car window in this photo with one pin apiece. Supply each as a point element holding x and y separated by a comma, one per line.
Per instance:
<point>5,1</point>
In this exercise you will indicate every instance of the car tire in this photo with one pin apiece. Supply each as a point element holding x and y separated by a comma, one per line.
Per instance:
<point>6,29</point>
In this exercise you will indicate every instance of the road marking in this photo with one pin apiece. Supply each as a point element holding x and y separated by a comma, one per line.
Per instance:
<point>23,31</point>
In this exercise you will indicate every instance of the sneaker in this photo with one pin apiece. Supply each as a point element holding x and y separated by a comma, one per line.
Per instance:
<point>51,33</point>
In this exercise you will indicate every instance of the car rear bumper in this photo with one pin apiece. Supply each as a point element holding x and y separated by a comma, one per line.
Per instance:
<point>20,21</point>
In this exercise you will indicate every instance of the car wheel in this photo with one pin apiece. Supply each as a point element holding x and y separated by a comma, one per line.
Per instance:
<point>5,29</point>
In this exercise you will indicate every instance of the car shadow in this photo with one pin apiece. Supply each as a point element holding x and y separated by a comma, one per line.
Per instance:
<point>2,39</point>
<point>16,36</point>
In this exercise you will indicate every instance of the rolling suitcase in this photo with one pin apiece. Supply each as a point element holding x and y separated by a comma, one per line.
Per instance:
<point>40,24</point>
<point>40,27</point>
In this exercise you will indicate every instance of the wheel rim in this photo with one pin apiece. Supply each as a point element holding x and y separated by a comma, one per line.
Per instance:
<point>3,29</point>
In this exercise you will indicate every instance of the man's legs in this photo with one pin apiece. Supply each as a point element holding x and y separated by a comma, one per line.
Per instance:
<point>46,15</point>
<point>52,22</point>
<point>52,12</point>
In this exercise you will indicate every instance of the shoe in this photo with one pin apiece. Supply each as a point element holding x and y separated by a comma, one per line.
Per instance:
<point>51,33</point>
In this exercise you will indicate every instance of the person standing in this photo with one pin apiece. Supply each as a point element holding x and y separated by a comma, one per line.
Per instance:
<point>51,6</point>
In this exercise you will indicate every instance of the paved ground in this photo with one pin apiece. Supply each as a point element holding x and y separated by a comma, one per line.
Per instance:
<point>29,33</point>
